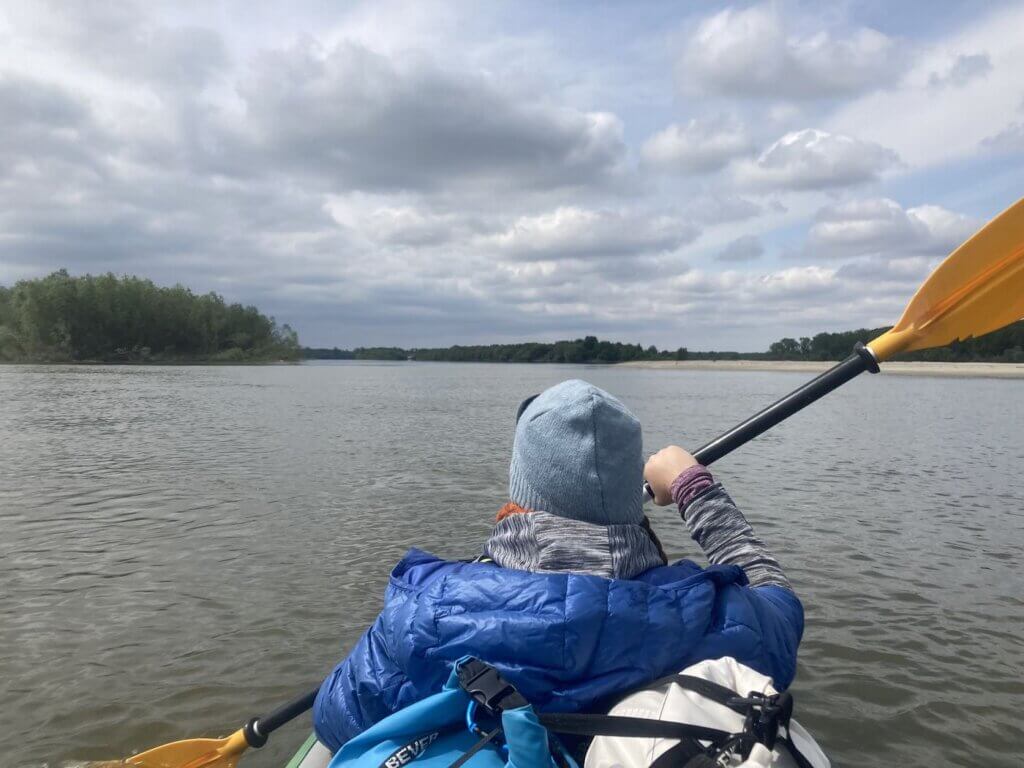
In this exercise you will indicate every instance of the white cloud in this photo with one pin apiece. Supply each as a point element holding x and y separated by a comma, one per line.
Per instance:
<point>813,159</point>
<point>409,226</point>
<point>1008,140</point>
<point>402,221</point>
<point>696,147</point>
<point>743,248</point>
<point>961,71</point>
<point>396,173</point>
<point>360,120</point>
<point>756,53</point>
<point>578,233</point>
<point>930,126</point>
<point>881,227</point>
<point>714,208</point>
<point>796,281</point>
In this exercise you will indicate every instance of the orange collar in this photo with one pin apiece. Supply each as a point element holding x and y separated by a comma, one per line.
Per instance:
<point>511,509</point>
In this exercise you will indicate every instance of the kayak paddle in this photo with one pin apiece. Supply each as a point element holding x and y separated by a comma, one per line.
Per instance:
<point>979,288</point>
<point>222,753</point>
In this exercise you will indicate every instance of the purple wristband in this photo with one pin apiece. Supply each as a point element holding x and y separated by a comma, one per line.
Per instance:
<point>691,482</point>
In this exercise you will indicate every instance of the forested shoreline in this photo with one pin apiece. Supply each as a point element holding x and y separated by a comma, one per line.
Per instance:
<point>105,318</point>
<point>1002,346</point>
<point>587,350</point>
<point>110,319</point>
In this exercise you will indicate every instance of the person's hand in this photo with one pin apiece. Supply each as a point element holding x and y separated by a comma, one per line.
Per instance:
<point>663,468</point>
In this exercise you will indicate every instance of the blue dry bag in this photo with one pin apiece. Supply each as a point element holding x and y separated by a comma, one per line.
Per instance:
<point>478,720</point>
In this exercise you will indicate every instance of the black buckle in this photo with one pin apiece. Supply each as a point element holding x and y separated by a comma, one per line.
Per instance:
<point>488,688</point>
<point>764,715</point>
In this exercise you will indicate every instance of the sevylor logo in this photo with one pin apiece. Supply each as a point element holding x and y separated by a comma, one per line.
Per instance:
<point>410,751</point>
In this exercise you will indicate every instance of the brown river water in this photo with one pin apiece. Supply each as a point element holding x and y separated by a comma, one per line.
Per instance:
<point>182,548</point>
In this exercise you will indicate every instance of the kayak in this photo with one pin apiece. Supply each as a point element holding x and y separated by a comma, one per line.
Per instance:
<point>312,754</point>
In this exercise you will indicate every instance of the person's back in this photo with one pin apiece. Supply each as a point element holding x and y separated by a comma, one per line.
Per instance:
<point>573,601</point>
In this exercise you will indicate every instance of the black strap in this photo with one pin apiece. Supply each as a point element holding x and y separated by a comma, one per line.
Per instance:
<point>709,690</point>
<point>702,761</point>
<point>487,739</point>
<point>485,686</point>
<point>687,749</point>
<point>798,757</point>
<point>639,727</point>
<point>729,698</point>
<point>679,754</point>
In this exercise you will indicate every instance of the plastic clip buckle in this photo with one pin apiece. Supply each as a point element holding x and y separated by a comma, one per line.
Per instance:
<point>765,714</point>
<point>488,688</point>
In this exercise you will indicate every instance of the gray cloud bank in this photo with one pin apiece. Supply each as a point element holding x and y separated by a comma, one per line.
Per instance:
<point>424,191</point>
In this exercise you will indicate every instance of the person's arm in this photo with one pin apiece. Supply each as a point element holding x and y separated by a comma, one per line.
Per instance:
<point>718,526</point>
<point>770,606</point>
<point>714,520</point>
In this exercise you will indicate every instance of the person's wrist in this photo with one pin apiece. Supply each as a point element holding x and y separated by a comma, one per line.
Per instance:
<point>689,484</point>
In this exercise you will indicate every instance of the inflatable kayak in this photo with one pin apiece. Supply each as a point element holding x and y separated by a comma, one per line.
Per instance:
<point>312,754</point>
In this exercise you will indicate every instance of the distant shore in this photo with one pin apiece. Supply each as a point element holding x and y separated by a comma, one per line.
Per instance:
<point>959,370</point>
<point>150,363</point>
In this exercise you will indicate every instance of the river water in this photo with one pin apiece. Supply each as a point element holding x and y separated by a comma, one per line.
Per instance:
<point>185,547</point>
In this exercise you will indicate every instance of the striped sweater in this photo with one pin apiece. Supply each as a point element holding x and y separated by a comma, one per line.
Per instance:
<point>721,531</point>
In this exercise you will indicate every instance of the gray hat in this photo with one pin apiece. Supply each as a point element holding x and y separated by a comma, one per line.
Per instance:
<point>578,454</point>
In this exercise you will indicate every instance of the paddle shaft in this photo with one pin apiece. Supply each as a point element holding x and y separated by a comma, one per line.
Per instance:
<point>259,728</point>
<point>861,360</point>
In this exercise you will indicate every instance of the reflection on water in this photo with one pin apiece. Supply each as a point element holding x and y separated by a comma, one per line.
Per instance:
<point>186,547</point>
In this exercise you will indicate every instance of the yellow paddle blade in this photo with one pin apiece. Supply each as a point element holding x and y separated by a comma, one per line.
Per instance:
<point>194,753</point>
<point>979,288</point>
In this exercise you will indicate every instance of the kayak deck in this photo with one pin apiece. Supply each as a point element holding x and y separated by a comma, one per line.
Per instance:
<point>312,754</point>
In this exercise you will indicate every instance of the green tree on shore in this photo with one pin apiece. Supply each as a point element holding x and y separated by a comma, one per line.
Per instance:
<point>107,318</point>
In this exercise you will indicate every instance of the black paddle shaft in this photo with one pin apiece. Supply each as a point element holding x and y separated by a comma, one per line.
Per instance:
<point>861,360</point>
<point>259,728</point>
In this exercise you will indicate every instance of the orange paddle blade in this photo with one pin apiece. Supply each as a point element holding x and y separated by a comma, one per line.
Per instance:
<point>194,753</point>
<point>978,289</point>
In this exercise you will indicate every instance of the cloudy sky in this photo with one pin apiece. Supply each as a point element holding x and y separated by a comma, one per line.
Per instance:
<point>433,173</point>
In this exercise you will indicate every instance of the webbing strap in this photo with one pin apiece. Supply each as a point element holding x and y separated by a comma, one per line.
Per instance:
<point>639,727</point>
<point>798,756</point>
<point>721,695</point>
<point>487,739</point>
<point>709,690</point>
<point>679,754</point>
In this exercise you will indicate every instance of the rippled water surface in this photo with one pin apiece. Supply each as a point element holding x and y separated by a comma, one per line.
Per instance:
<point>183,548</point>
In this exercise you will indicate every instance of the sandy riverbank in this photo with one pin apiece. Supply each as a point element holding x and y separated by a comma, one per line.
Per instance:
<point>964,370</point>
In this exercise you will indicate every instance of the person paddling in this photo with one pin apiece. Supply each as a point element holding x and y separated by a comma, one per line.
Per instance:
<point>573,601</point>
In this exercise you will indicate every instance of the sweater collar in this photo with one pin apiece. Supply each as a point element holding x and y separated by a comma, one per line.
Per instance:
<point>538,541</point>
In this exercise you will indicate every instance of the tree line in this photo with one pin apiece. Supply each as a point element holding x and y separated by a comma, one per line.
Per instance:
<point>585,350</point>
<point>1005,345</point>
<point>105,318</point>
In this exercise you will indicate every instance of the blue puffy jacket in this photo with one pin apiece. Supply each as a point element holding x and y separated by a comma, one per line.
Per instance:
<point>566,641</point>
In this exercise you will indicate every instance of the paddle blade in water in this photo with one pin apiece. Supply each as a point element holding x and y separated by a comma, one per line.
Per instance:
<point>979,288</point>
<point>193,753</point>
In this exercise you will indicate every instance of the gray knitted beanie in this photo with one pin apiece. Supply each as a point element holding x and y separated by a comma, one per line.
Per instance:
<point>578,454</point>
